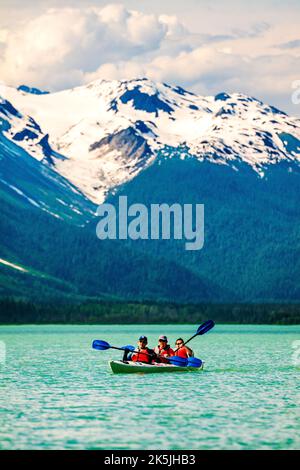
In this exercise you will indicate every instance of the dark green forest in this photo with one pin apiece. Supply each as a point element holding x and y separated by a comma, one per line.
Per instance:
<point>109,312</point>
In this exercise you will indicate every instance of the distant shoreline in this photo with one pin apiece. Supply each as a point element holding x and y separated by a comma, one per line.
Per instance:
<point>21,312</point>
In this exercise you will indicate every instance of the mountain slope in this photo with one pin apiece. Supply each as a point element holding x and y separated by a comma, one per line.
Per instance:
<point>28,181</point>
<point>252,232</point>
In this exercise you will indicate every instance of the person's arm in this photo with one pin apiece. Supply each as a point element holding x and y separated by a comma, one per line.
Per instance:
<point>189,351</point>
<point>126,355</point>
<point>153,355</point>
<point>134,356</point>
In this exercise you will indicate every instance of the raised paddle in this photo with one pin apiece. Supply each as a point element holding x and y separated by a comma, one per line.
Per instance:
<point>104,345</point>
<point>204,328</point>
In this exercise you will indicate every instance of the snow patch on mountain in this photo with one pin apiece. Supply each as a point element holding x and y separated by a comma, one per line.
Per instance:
<point>24,131</point>
<point>13,265</point>
<point>109,131</point>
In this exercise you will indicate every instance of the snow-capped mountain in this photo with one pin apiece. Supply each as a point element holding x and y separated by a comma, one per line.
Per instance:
<point>62,152</point>
<point>34,181</point>
<point>102,135</point>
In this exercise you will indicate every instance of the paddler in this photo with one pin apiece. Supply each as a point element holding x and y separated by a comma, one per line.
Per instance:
<point>182,350</point>
<point>144,353</point>
<point>163,349</point>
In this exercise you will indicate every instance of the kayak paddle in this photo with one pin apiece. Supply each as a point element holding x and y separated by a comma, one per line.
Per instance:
<point>204,328</point>
<point>104,345</point>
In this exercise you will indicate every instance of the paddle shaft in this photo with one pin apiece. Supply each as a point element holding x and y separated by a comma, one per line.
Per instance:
<point>138,352</point>
<point>119,349</point>
<point>135,352</point>
<point>189,340</point>
<point>147,354</point>
<point>181,346</point>
<point>174,360</point>
<point>206,326</point>
<point>108,346</point>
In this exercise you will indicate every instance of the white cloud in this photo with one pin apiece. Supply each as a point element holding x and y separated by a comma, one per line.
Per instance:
<point>145,29</point>
<point>63,43</point>
<point>115,13</point>
<point>65,47</point>
<point>3,35</point>
<point>176,28</point>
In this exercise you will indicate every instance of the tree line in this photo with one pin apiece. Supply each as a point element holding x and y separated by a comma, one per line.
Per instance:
<point>15,311</point>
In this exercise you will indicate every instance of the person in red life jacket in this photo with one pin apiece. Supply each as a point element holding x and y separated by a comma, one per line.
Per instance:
<point>144,353</point>
<point>163,350</point>
<point>182,350</point>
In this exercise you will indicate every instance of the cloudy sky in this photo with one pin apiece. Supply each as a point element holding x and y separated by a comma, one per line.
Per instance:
<point>206,46</point>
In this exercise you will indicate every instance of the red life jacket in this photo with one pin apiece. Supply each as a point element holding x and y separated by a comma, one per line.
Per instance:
<point>182,352</point>
<point>142,356</point>
<point>168,351</point>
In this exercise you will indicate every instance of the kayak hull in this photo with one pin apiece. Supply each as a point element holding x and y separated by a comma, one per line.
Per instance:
<point>131,367</point>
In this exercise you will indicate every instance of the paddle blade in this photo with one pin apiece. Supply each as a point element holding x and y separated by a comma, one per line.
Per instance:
<point>100,345</point>
<point>129,347</point>
<point>178,361</point>
<point>194,362</point>
<point>205,327</point>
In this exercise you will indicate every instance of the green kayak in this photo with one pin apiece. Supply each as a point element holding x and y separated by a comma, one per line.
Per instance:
<point>130,367</point>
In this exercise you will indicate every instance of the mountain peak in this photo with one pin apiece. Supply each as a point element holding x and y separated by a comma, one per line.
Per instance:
<point>98,117</point>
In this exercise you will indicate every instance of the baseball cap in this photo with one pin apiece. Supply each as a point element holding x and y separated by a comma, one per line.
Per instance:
<point>143,338</point>
<point>163,338</point>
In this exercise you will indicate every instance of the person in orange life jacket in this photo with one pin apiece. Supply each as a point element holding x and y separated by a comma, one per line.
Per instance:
<point>144,354</point>
<point>163,349</point>
<point>182,350</point>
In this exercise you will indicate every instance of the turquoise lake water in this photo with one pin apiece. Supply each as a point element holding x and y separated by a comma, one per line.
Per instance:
<point>58,393</point>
